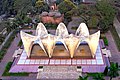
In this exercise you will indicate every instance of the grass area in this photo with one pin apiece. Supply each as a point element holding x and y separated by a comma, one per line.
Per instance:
<point>116,37</point>
<point>7,44</point>
<point>7,68</point>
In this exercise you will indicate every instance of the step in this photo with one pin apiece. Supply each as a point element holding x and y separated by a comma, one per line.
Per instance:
<point>58,75</point>
<point>59,69</point>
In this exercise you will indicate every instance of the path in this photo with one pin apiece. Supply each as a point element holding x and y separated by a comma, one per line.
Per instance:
<point>30,77</point>
<point>117,25</point>
<point>8,56</point>
<point>113,48</point>
<point>74,23</point>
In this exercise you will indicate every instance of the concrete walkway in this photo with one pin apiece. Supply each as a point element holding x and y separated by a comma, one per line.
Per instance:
<point>8,56</point>
<point>113,48</point>
<point>117,25</point>
<point>74,23</point>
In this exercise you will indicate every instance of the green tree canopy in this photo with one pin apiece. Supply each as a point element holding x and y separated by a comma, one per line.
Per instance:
<point>107,14</point>
<point>41,6</point>
<point>113,70</point>
<point>66,6</point>
<point>22,6</point>
<point>39,3</point>
<point>8,6</point>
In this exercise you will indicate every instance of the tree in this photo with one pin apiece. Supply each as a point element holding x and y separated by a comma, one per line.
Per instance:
<point>67,8</point>
<point>41,6</point>
<point>98,76</point>
<point>8,7</point>
<point>8,25</point>
<point>107,12</point>
<point>113,70</point>
<point>83,78</point>
<point>39,3</point>
<point>22,6</point>
<point>27,20</point>
<point>1,38</point>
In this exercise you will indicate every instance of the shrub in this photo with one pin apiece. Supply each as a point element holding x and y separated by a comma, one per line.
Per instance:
<point>27,20</point>
<point>102,36</point>
<point>105,41</point>
<point>92,24</point>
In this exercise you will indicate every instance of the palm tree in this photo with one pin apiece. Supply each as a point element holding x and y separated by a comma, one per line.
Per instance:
<point>83,78</point>
<point>98,76</point>
<point>113,70</point>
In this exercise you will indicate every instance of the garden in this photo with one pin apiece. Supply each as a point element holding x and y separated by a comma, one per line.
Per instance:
<point>111,72</point>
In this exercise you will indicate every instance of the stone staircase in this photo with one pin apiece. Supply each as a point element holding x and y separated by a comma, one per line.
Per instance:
<point>59,72</point>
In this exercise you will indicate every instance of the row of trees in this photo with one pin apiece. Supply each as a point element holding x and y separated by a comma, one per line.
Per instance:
<point>111,71</point>
<point>107,15</point>
<point>12,7</point>
<point>100,15</point>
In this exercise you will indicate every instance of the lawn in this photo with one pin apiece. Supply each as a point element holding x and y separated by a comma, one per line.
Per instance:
<point>7,68</point>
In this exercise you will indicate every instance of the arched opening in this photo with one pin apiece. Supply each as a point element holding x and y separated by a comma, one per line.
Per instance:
<point>83,51</point>
<point>37,52</point>
<point>60,51</point>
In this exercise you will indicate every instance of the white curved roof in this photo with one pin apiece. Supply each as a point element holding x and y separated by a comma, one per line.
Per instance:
<point>71,42</point>
<point>41,31</point>
<point>61,31</point>
<point>82,30</point>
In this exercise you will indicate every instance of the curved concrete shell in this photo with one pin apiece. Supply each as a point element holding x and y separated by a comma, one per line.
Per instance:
<point>41,31</point>
<point>71,42</point>
<point>82,30</point>
<point>93,41</point>
<point>61,31</point>
<point>50,39</point>
<point>27,40</point>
